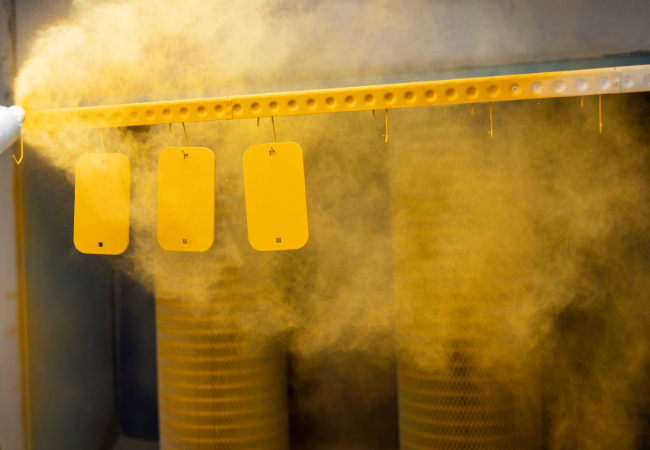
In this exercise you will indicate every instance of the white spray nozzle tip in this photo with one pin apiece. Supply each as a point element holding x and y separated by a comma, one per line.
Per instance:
<point>10,125</point>
<point>19,112</point>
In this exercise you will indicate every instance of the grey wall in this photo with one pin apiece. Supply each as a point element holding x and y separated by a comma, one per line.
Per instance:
<point>11,408</point>
<point>69,304</point>
<point>70,321</point>
<point>379,38</point>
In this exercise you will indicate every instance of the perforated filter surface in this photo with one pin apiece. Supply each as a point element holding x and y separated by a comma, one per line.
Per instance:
<point>219,386</point>
<point>459,408</point>
<point>456,260</point>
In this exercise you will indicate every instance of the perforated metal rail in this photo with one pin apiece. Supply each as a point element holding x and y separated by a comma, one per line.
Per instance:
<point>405,95</point>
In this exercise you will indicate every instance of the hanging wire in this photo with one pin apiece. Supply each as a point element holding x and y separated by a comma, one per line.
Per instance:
<point>373,114</point>
<point>187,143</point>
<point>273,126</point>
<point>600,112</point>
<point>582,101</point>
<point>473,107</point>
<point>491,124</point>
<point>386,135</point>
<point>185,133</point>
<point>18,161</point>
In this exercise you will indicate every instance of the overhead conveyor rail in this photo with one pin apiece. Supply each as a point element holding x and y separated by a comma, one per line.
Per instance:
<point>404,95</point>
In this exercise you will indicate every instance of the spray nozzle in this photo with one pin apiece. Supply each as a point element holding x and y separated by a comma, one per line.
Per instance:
<point>11,120</point>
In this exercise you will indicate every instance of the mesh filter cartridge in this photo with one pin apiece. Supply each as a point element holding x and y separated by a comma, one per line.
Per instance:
<point>457,260</point>
<point>219,386</point>
<point>456,407</point>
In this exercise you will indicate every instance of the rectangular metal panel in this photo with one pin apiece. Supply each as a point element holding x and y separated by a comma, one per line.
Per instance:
<point>186,177</point>
<point>102,201</point>
<point>276,199</point>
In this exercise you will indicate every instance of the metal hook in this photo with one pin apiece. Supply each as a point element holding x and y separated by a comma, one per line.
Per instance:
<point>600,112</point>
<point>473,107</point>
<point>18,161</point>
<point>185,133</point>
<point>187,143</point>
<point>582,101</point>
<point>373,114</point>
<point>386,135</point>
<point>273,125</point>
<point>491,124</point>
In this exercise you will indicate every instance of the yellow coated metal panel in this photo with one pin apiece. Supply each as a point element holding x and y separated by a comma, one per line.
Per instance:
<point>405,95</point>
<point>186,178</point>
<point>276,199</point>
<point>101,206</point>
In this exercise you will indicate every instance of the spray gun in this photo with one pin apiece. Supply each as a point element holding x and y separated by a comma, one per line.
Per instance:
<point>11,120</point>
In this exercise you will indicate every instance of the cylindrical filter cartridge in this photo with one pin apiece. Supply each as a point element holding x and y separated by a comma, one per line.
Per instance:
<point>457,265</point>
<point>219,387</point>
